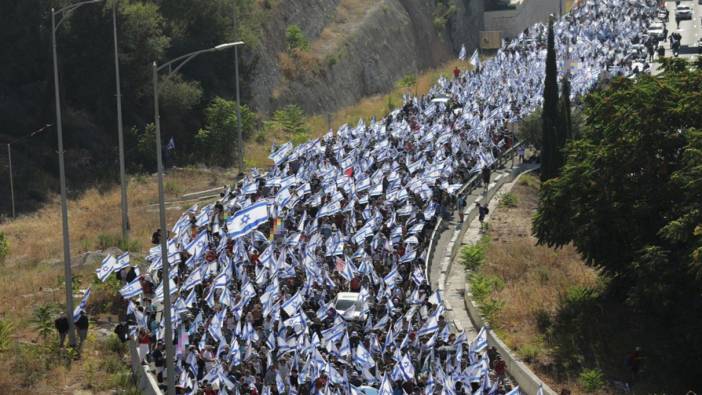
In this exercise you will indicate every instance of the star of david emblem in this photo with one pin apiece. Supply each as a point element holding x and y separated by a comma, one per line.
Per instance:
<point>245,219</point>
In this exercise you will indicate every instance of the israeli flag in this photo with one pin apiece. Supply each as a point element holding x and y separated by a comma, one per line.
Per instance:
<point>81,306</point>
<point>475,59</point>
<point>158,294</point>
<point>247,219</point>
<point>429,327</point>
<point>197,245</point>
<point>329,209</point>
<point>363,358</point>
<point>250,188</point>
<point>462,54</point>
<point>480,342</point>
<point>106,268</point>
<point>404,370</point>
<point>194,279</point>
<point>392,277</point>
<point>385,386</point>
<point>292,305</point>
<point>515,391</point>
<point>132,289</point>
<point>345,349</point>
<point>436,298</point>
<point>281,153</point>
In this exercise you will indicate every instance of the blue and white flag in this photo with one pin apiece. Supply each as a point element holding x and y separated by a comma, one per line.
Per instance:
<point>515,391</point>
<point>81,305</point>
<point>385,386</point>
<point>363,358</point>
<point>247,219</point>
<point>475,59</point>
<point>480,342</point>
<point>194,279</point>
<point>197,245</point>
<point>404,370</point>
<point>431,326</point>
<point>122,261</point>
<point>106,268</point>
<point>281,153</point>
<point>462,54</point>
<point>132,289</point>
<point>392,277</point>
<point>292,305</point>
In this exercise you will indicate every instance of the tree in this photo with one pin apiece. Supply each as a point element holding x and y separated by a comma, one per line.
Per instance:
<point>291,120</point>
<point>628,199</point>
<point>216,142</point>
<point>550,153</point>
<point>615,197</point>
<point>565,119</point>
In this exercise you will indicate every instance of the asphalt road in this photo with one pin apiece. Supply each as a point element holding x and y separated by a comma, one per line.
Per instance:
<point>690,29</point>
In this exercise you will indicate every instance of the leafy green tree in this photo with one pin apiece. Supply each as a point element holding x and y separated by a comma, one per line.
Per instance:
<point>552,143</point>
<point>628,199</point>
<point>531,129</point>
<point>615,198</point>
<point>291,120</point>
<point>216,142</point>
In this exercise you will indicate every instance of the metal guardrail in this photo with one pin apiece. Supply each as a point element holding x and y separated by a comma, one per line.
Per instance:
<point>466,189</point>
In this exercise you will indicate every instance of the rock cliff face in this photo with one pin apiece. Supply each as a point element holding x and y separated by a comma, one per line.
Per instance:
<point>358,48</point>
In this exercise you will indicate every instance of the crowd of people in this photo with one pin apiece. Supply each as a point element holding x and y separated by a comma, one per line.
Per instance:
<point>254,276</point>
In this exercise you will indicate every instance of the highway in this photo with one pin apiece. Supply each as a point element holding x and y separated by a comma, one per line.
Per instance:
<point>690,29</point>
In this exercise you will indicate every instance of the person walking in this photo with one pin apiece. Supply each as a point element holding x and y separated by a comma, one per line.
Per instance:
<point>461,206</point>
<point>82,325</point>
<point>521,151</point>
<point>482,212</point>
<point>486,177</point>
<point>61,324</point>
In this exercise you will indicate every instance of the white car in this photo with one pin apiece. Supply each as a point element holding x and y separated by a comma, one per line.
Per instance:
<point>656,29</point>
<point>683,12</point>
<point>349,306</point>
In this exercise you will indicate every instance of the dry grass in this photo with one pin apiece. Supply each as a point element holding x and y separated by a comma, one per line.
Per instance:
<point>348,15</point>
<point>33,274</point>
<point>536,277</point>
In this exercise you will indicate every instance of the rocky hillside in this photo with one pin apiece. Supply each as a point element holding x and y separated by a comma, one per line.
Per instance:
<point>356,48</point>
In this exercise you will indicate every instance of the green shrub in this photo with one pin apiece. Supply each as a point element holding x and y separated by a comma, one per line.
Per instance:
<point>591,380</point>
<point>43,320</point>
<point>4,247</point>
<point>296,38</point>
<point>130,245</point>
<point>105,241</point>
<point>6,330</point>
<point>472,256</point>
<point>172,188</point>
<point>509,200</point>
<point>482,286</point>
<point>491,308</point>
<point>543,320</point>
<point>529,352</point>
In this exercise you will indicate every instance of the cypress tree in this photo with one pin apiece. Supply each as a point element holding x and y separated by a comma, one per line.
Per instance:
<point>566,124</point>
<point>550,118</point>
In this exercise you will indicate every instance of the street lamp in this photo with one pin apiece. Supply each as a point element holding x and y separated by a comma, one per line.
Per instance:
<point>168,335</point>
<point>120,133</point>
<point>63,13</point>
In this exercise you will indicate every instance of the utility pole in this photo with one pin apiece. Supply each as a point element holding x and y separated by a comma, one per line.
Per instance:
<point>120,132</point>
<point>12,186</point>
<point>239,140</point>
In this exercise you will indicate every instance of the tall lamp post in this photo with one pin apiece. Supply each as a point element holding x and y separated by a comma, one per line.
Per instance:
<point>168,334</point>
<point>63,13</point>
<point>120,133</point>
<point>239,139</point>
